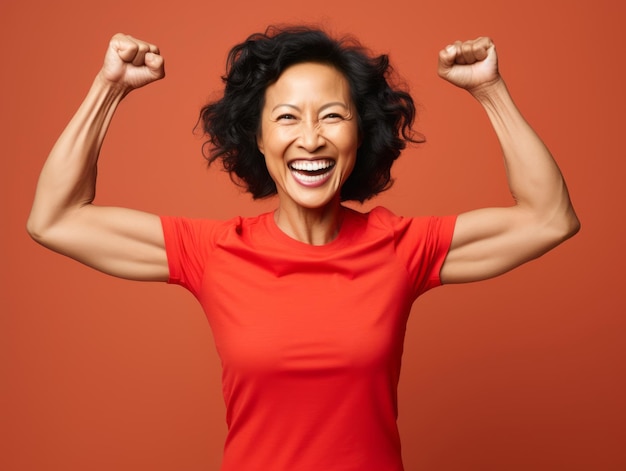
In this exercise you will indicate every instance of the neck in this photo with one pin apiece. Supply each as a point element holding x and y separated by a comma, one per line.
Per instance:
<point>315,226</point>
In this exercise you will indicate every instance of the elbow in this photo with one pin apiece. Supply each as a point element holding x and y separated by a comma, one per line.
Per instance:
<point>38,230</point>
<point>566,226</point>
<point>574,227</point>
<point>572,224</point>
<point>35,230</point>
<point>54,230</point>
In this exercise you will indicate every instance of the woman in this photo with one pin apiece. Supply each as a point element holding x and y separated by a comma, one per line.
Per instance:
<point>308,304</point>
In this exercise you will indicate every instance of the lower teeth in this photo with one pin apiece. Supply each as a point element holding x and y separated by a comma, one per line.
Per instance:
<point>309,178</point>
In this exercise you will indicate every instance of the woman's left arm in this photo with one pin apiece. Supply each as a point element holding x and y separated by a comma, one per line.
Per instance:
<point>491,241</point>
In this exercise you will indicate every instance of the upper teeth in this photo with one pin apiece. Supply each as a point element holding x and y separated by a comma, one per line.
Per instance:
<point>311,166</point>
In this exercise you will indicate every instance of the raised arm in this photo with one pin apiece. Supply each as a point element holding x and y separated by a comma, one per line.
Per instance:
<point>118,241</point>
<point>489,242</point>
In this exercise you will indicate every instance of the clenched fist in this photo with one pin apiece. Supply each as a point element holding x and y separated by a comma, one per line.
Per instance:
<point>131,63</point>
<point>471,65</point>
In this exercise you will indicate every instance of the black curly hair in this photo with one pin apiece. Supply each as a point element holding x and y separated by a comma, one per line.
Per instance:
<point>385,113</point>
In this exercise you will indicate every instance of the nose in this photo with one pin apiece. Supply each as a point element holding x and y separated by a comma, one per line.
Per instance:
<point>311,138</point>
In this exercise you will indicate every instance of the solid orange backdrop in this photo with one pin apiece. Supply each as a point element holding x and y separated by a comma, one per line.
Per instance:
<point>524,372</point>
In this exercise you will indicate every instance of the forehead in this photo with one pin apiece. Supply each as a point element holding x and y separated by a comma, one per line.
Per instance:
<point>309,80</point>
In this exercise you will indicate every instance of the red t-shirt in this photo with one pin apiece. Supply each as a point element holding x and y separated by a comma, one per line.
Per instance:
<point>310,337</point>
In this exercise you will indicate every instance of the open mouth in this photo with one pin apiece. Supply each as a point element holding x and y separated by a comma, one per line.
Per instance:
<point>310,172</point>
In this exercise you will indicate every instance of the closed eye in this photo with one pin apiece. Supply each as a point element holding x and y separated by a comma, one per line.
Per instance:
<point>285,116</point>
<point>333,117</point>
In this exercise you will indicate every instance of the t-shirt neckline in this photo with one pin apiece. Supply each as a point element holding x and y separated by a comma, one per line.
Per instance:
<point>339,241</point>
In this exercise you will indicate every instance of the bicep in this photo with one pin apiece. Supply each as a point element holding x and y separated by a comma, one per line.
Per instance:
<point>489,242</point>
<point>121,242</point>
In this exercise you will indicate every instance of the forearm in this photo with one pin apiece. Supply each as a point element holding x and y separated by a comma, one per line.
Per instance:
<point>68,178</point>
<point>534,179</point>
<point>490,241</point>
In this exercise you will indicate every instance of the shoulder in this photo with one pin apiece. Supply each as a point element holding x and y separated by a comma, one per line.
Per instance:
<point>384,218</point>
<point>210,231</point>
<point>376,217</point>
<point>420,243</point>
<point>381,224</point>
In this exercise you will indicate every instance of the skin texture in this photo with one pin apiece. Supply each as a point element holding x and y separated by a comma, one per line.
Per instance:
<point>492,241</point>
<point>298,123</point>
<point>119,241</point>
<point>308,117</point>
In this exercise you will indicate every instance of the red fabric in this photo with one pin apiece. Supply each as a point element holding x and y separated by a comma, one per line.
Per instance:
<point>310,337</point>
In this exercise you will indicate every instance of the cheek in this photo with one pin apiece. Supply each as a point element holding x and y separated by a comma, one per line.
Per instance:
<point>348,140</point>
<point>274,140</point>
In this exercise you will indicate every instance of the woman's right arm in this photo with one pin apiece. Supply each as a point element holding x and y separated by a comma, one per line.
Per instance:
<point>118,241</point>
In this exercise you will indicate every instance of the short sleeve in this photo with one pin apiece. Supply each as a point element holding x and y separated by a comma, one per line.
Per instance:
<point>188,243</point>
<point>423,244</point>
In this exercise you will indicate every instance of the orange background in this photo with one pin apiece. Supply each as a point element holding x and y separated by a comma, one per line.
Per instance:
<point>524,372</point>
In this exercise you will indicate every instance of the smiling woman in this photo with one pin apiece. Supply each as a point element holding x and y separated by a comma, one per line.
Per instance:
<point>383,113</point>
<point>308,304</point>
<point>309,137</point>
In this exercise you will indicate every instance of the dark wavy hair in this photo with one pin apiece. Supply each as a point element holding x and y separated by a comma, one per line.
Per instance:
<point>385,112</point>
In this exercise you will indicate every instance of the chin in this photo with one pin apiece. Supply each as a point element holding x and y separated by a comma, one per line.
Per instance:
<point>318,201</point>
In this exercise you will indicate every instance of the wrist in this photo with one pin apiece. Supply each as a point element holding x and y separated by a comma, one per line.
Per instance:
<point>114,89</point>
<point>489,91</point>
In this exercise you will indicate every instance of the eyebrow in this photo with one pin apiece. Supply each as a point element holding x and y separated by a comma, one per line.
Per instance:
<point>322,108</point>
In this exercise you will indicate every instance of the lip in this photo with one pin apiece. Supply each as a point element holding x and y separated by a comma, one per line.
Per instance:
<point>317,160</point>
<point>308,172</point>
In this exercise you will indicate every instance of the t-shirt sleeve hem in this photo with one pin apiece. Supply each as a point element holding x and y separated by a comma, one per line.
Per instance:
<point>446,231</point>
<point>168,235</point>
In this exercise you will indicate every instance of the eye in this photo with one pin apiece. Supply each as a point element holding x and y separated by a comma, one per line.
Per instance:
<point>285,117</point>
<point>332,117</point>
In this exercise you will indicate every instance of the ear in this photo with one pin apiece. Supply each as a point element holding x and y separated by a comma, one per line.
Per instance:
<point>259,142</point>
